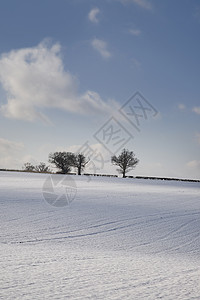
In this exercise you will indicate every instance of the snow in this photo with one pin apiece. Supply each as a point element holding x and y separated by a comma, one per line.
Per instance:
<point>119,239</point>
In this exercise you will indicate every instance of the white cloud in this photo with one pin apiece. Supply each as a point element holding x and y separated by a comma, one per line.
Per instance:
<point>98,155</point>
<point>35,79</point>
<point>96,148</point>
<point>92,16</point>
<point>101,47</point>
<point>8,147</point>
<point>28,158</point>
<point>141,3</point>
<point>10,153</point>
<point>181,106</point>
<point>135,32</point>
<point>196,110</point>
<point>194,164</point>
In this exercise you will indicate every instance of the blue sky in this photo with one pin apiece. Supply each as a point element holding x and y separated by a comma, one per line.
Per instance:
<point>66,68</point>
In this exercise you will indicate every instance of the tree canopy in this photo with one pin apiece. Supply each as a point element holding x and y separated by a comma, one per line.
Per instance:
<point>62,160</point>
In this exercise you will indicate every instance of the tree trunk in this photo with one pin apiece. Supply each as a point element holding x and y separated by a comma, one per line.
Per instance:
<point>79,171</point>
<point>124,174</point>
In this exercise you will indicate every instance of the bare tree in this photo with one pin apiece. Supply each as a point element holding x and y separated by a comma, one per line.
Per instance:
<point>42,168</point>
<point>126,161</point>
<point>80,162</point>
<point>62,160</point>
<point>28,167</point>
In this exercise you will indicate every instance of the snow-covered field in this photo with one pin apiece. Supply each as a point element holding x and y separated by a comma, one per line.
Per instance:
<point>119,239</point>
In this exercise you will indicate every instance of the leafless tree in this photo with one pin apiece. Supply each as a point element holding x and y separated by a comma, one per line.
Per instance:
<point>28,167</point>
<point>42,168</point>
<point>126,161</point>
<point>80,162</point>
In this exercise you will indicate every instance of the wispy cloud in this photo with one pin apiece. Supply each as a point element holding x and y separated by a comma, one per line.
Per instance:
<point>181,106</point>
<point>135,32</point>
<point>92,16</point>
<point>9,146</point>
<point>196,110</point>
<point>97,148</point>
<point>193,164</point>
<point>101,47</point>
<point>35,79</point>
<point>145,4</point>
<point>10,153</point>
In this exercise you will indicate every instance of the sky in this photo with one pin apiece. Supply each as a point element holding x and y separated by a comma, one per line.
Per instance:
<point>99,76</point>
